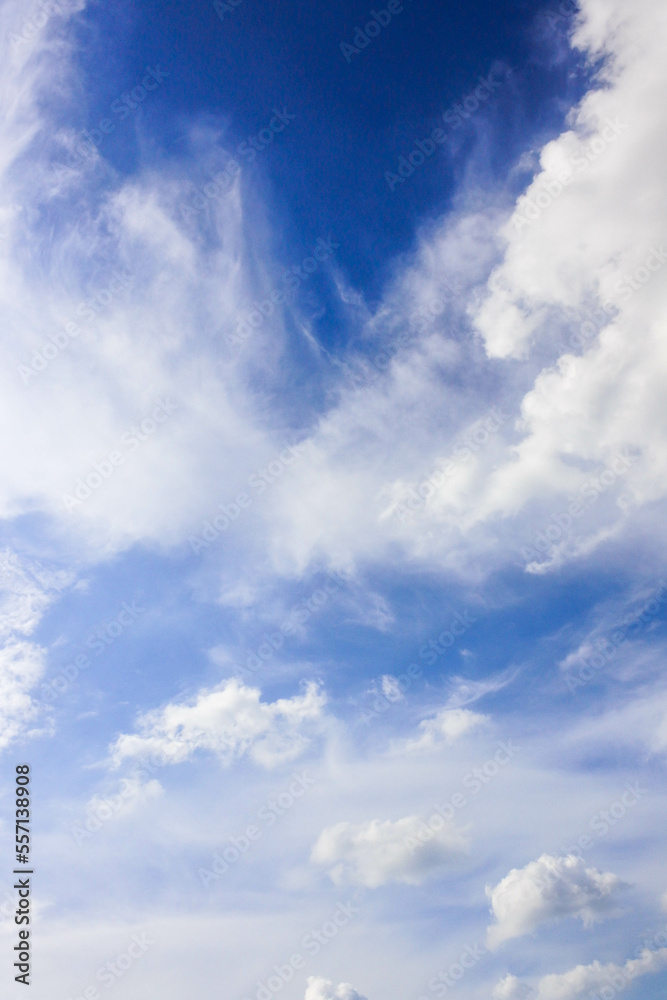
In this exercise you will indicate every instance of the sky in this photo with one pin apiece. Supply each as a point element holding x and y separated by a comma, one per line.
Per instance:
<point>332,498</point>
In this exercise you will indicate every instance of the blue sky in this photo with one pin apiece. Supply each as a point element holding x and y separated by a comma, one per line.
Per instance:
<point>332,544</point>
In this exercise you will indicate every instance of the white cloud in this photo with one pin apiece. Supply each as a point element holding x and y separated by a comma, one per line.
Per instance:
<point>391,689</point>
<point>579,416</point>
<point>168,327</point>
<point>447,726</point>
<point>375,852</point>
<point>158,334</point>
<point>637,720</point>
<point>21,667</point>
<point>595,979</point>
<point>508,988</point>
<point>230,721</point>
<point>374,611</point>
<point>547,890</point>
<point>453,721</point>
<point>464,691</point>
<point>132,793</point>
<point>605,980</point>
<point>603,399</point>
<point>26,591</point>
<point>323,989</point>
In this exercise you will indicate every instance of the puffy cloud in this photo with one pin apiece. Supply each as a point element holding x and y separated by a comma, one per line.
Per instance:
<point>607,981</point>
<point>604,292</point>
<point>510,988</point>
<point>604,149</point>
<point>578,292</point>
<point>323,989</point>
<point>230,721</point>
<point>453,721</point>
<point>378,851</point>
<point>547,890</point>
<point>447,726</point>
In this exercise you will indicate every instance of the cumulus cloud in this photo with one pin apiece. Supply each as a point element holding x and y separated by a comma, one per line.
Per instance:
<point>378,851</point>
<point>230,721</point>
<point>323,989</point>
<point>447,726</point>
<point>605,981</point>
<point>547,890</point>
<point>603,293</point>
<point>511,988</point>
<point>453,721</point>
<point>576,296</point>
